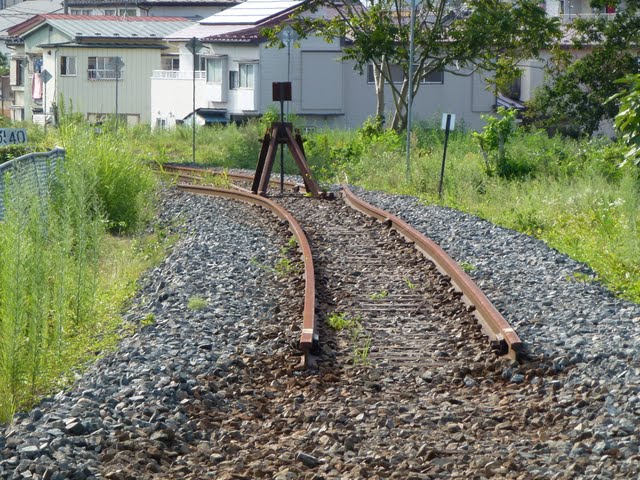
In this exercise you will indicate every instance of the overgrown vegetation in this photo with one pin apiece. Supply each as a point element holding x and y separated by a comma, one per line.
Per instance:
<point>63,280</point>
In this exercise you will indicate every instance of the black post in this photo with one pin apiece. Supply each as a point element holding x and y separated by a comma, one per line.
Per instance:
<point>444,155</point>
<point>281,86</point>
<point>193,115</point>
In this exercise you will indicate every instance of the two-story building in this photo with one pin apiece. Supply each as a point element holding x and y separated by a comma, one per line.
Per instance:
<point>236,67</point>
<point>97,65</point>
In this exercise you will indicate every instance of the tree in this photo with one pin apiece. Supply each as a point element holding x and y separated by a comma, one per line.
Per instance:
<point>480,35</point>
<point>4,64</point>
<point>576,92</point>
<point>628,118</point>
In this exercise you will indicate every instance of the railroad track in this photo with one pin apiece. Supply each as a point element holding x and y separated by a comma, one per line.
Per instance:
<point>368,275</point>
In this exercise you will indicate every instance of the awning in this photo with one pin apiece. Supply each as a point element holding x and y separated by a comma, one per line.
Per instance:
<point>210,115</point>
<point>506,102</point>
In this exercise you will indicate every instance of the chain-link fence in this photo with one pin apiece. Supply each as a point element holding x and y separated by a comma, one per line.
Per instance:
<point>31,173</point>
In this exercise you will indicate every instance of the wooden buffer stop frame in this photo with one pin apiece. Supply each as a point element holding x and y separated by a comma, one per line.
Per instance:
<point>282,133</point>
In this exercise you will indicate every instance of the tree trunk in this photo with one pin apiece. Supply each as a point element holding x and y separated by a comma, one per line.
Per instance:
<point>399,122</point>
<point>379,82</point>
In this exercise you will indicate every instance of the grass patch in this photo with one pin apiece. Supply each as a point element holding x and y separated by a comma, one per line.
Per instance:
<point>197,303</point>
<point>379,295</point>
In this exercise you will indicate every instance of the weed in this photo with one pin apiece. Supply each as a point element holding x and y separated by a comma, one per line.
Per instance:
<point>468,267</point>
<point>361,350</point>
<point>197,303</point>
<point>262,266</point>
<point>409,283</point>
<point>340,321</point>
<point>149,319</point>
<point>379,295</point>
<point>361,341</point>
<point>286,266</point>
<point>215,179</point>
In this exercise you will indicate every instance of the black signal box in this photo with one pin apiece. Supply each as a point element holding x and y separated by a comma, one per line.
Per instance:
<point>281,91</point>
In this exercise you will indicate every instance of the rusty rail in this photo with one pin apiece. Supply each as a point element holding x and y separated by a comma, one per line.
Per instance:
<point>493,323</point>
<point>193,173</point>
<point>308,335</point>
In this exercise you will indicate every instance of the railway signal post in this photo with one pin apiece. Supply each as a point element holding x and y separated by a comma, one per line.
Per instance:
<point>282,133</point>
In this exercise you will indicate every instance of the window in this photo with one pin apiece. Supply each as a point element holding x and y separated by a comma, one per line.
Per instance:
<point>76,11</point>
<point>201,63</point>
<point>17,73</point>
<point>170,63</point>
<point>127,12</point>
<point>103,68</point>
<point>214,70</point>
<point>68,66</point>
<point>111,13</point>
<point>233,79</point>
<point>247,73</point>
<point>436,76</point>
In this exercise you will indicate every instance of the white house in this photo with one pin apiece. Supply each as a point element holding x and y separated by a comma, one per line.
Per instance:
<point>235,70</point>
<point>97,65</point>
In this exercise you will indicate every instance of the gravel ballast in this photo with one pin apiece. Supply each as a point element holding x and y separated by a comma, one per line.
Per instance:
<point>213,392</point>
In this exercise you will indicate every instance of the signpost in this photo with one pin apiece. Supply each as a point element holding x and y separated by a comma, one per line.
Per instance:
<point>448,124</point>
<point>194,46</point>
<point>46,76</point>
<point>9,136</point>
<point>287,36</point>
<point>281,92</point>
<point>119,64</point>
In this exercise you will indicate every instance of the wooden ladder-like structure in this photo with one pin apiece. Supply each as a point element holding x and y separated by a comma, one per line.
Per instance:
<point>282,134</point>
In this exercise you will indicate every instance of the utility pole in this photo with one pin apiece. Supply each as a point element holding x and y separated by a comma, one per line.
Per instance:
<point>410,96</point>
<point>119,64</point>
<point>194,46</point>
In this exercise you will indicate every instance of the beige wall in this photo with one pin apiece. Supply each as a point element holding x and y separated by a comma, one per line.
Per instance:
<point>98,96</point>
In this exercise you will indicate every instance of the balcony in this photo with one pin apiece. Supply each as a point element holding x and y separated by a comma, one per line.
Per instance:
<point>568,18</point>
<point>177,75</point>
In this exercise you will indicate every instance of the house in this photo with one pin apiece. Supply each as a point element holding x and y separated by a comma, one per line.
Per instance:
<point>191,9</point>
<point>98,65</point>
<point>21,12</point>
<point>9,17</point>
<point>533,70</point>
<point>235,69</point>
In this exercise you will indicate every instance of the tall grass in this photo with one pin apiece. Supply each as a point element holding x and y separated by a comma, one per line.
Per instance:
<point>62,279</point>
<point>47,276</point>
<point>108,159</point>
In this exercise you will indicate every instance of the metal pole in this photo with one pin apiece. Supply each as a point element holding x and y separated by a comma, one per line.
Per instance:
<point>193,115</point>
<point>444,154</point>
<point>44,108</point>
<point>282,144</point>
<point>410,96</point>
<point>117,75</point>
<point>288,68</point>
